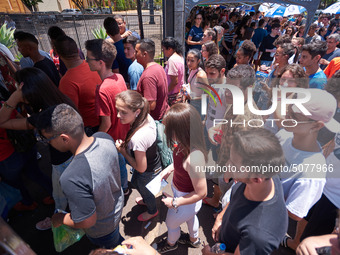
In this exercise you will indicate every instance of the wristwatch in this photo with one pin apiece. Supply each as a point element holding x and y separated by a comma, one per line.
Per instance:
<point>174,203</point>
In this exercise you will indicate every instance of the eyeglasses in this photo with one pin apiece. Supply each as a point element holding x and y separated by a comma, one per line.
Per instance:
<point>48,140</point>
<point>89,59</point>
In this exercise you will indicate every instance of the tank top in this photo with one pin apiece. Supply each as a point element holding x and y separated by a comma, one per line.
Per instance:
<point>195,92</point>
<point>181,179</point>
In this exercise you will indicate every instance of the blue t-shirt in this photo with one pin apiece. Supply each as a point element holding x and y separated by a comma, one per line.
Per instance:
<point>317,80</point>
<point>330,56</point>
<point>121,61</point>
<point>258,36</point>
<point>196,33</point>
<point>135,71</point>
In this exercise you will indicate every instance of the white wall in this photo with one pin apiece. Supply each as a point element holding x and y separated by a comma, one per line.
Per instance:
<point>53,5</point>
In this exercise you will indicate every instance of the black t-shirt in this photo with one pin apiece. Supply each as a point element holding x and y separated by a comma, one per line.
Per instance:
<point>57,157</point>
<point>267,44</point>
<point>257,227</point>
<point>153,158</point>
<point>50,69</point>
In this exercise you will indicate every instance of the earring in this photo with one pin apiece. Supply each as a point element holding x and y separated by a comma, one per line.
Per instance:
<point>137,115</point>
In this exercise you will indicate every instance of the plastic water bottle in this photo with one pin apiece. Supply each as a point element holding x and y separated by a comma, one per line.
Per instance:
<point>218,248</point>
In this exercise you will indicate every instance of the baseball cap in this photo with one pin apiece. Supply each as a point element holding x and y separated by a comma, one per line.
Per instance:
<point>322,106</point>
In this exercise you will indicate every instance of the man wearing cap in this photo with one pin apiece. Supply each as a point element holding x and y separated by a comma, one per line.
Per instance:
<point>304,180</point>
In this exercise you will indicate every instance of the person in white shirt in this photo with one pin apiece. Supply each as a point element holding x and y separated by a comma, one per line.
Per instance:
<point>304,180</point>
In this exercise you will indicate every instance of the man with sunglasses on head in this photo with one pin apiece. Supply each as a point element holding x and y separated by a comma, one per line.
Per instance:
<point>304,180</point>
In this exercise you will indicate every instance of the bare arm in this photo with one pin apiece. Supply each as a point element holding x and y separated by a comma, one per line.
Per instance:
<point>190,42</point>
<point>173,82</point>
<point>105,123</point>
<point>59,219</point>
<point>6,111</point>
<point>152,105</point>
<point>192,165</point>
<point>139,162</point>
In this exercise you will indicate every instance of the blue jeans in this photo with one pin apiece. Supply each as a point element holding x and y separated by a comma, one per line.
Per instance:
<point>139,181</point>
<point>123,171</point>
<point>12,168</point>
<point>109,241</point>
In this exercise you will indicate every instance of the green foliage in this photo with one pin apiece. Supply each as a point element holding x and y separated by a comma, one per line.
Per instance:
<point>120,5</point>
<point>99,33</point>
<point>18,57</point>
<point>30,4</point>
<point>7,36</point>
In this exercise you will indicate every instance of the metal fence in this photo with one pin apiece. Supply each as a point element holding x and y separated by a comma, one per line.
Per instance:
<point>80,27</point>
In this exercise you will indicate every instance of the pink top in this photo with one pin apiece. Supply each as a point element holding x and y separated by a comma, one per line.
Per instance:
<point>175,67</point>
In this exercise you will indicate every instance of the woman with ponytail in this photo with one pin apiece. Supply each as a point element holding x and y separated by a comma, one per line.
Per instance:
<point>175,68</point>
<point>139,147</point>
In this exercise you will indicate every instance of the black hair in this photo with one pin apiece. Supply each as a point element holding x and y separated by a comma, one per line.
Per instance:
<point>66,47</point>
<point>38,89</point>
<point>147,45</point>
<point>315,48</point>
<point>248,48</point>
<point>54,32</point>
<point>170,42</point>
<point>111,26</point>
<point>275,25</point>
<point>261,22</point>
<point>23,36</point>
<point>131,39</point>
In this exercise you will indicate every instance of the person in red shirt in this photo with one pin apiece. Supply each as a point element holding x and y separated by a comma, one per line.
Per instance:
<point>100,56</point>
<point>79,83</point>
<point>153,83</point>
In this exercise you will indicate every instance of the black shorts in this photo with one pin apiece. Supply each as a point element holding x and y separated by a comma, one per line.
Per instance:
<point>321,218</point>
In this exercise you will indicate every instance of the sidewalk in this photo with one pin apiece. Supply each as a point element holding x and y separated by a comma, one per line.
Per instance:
<point>42,241</point>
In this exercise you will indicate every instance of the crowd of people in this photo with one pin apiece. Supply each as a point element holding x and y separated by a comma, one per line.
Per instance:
<point>111,107</point>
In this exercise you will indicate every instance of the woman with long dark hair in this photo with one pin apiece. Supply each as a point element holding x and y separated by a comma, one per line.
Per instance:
<point>183,127</point>
<point>139,147</point>
<point>36,92</point>
<point>175,67</point>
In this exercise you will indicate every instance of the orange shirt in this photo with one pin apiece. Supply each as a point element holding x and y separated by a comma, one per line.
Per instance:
<point>79,84</point>
<point>332,67</point>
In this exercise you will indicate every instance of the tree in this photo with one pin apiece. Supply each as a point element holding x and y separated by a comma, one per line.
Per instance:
<point>31,4</point>
<point>79,4</point>
<point>99,4</point>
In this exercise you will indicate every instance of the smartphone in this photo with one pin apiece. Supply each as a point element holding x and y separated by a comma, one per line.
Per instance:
<point>323,250</point>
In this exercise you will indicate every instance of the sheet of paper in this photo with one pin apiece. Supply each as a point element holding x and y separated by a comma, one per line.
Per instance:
<point>156,185</point>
